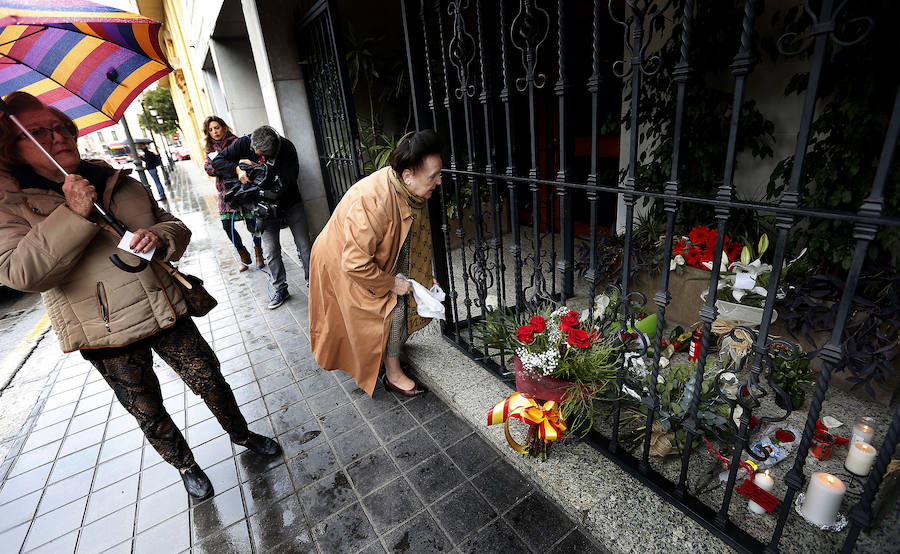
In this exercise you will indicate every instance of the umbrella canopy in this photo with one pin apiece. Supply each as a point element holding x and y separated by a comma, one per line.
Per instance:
<point>87,60</point>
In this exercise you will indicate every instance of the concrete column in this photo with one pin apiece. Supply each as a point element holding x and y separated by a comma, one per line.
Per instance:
<point>284,92</point>
<point>260,45</point>
<point>233,63</point>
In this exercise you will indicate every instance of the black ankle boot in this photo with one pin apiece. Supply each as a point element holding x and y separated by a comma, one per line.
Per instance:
<point>264,446</point>
<point>196,483</point>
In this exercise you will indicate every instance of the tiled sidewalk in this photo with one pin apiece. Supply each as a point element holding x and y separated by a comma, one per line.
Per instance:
<point>358,474</point>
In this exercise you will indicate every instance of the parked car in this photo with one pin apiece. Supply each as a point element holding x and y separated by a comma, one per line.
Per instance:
<point>181,153</point>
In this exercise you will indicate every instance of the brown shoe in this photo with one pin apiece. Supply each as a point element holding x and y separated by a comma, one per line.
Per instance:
<point>260,261</point>
<point>245,259</point>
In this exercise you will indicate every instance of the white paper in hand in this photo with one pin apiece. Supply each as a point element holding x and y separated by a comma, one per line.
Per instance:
<point>125,243</point>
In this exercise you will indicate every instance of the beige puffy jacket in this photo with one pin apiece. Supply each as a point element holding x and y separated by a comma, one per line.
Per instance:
<point>47,248</point>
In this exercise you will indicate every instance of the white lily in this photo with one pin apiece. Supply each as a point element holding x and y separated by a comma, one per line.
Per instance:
<point>744,279</point>
<point>723,264</point>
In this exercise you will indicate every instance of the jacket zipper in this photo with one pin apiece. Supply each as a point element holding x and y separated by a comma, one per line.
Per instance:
<point>101,302</point>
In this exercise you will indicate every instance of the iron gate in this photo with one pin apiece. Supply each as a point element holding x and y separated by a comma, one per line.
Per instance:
<point>334,119</point>
<point>497,80</point>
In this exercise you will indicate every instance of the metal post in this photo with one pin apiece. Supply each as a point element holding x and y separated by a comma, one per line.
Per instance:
<point>138,164</point>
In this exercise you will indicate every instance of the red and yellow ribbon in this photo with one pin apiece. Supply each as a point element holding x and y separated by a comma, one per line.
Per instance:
<point>550,424</point>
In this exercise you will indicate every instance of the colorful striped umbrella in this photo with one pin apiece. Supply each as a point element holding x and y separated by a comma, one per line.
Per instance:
<point>87,60</point>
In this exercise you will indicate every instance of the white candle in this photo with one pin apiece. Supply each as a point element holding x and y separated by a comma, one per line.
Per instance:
<point>823,498</point>
<point>863,430</point>
<point>860,458</point>
<point>765,482</point>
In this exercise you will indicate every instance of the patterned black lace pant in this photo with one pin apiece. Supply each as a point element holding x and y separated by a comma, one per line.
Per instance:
<point>130,375</point>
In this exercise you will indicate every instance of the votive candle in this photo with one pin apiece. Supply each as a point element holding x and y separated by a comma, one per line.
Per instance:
<point>860,458</point>
<point>823,498</point>
<point>766,483</point>
<point>863,430</point>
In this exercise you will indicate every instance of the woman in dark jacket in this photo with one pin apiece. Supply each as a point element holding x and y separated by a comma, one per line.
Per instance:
<point>218,136</point>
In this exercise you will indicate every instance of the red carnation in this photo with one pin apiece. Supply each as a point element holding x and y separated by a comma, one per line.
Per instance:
<point>579,338</point>
<point>525,334</point>
<point>569,322</point>
<point>538,323</point>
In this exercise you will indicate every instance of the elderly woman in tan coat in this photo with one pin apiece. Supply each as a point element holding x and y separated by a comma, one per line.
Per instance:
<point>51,242</point>
<point>360,312</point>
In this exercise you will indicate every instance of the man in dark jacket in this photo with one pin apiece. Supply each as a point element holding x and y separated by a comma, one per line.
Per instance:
<point>266,146</point>
<point>151,162</point>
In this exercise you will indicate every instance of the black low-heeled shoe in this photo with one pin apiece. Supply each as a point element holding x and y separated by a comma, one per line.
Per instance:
<point>417,389</point>
<point>196,483</point>
<point>258,444</point>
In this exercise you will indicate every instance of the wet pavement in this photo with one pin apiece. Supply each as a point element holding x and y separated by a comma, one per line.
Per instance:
<point>358,474</point>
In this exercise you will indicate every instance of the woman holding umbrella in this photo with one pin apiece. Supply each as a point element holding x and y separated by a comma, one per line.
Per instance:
<point>50,242</point>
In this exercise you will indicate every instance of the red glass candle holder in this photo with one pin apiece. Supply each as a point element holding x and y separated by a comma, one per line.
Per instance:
<point>821,445</point>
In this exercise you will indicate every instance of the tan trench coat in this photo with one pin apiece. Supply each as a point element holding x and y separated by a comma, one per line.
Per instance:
<point>352,270</point>
<point>47,248</point>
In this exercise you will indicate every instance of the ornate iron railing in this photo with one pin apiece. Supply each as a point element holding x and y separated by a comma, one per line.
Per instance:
<point>500,53</point>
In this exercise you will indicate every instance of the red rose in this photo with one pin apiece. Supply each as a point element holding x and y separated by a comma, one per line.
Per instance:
<point>569,322</point>
<point>538,323</point>
<point>595,335</point>
<point>525,334</point>
<point>579,338</point>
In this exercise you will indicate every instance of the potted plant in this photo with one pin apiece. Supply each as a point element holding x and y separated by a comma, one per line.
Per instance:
<point>559,355</point>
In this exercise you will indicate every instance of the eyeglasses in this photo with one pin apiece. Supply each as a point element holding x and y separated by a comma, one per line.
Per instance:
<point>45,134</point>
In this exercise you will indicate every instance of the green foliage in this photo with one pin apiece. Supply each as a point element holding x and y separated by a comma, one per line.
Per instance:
<point>846,140</point>
<point>384,81</point>
<point>160,99</point>
<point>793,376</point>
<point>707,112</point>
<point>675,391</point>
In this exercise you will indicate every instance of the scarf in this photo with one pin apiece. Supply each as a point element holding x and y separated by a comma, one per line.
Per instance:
<point>419,250</point>
<point>96,175</point>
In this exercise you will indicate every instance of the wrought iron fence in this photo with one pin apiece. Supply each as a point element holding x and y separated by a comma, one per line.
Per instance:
<point>334,119</point>
<point>481,75</point>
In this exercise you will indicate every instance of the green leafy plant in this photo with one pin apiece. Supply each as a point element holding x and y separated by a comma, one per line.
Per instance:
<point>675,390</point>
<point>707,112</point>
<point>368,71</point>
<point>794,376</point>
<point>846,140</point>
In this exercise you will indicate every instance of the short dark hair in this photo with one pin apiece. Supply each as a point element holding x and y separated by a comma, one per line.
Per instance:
<point>413,150</point>
<point>266,140</point>
<point>16,103</point>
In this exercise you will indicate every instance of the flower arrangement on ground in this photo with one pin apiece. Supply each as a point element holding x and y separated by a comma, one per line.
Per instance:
<point>560,356</point>
<point>675,390</point>
<point>698,248</point>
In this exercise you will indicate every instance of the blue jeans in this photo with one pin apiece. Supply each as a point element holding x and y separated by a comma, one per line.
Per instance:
<point>295,216</point>
<point>153,173</point>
